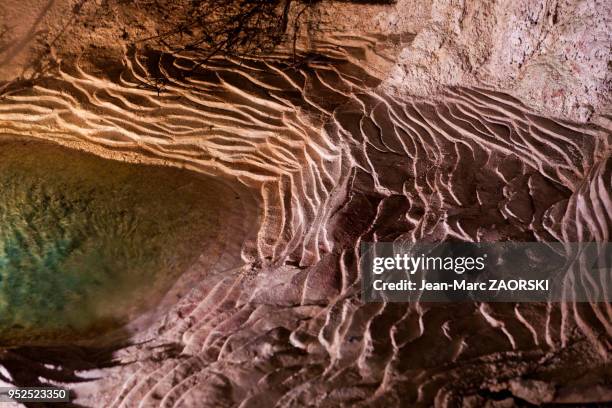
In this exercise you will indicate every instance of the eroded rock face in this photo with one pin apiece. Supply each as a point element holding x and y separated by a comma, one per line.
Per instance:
<point>553,55</point>
<point>322,156</point>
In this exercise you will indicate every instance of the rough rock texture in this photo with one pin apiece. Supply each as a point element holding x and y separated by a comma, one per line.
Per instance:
<point>403,130</point>
<point>554,55</point>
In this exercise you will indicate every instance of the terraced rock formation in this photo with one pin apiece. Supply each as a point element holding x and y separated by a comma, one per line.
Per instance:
<point>322,156</point>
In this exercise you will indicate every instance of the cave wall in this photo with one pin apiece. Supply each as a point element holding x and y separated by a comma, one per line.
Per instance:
<point>377,135</point>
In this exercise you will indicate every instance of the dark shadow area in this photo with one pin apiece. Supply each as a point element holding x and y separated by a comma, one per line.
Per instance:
<point>40,366</point>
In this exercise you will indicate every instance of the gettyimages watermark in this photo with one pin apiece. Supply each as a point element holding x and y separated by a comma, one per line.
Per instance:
<point>486,272</point>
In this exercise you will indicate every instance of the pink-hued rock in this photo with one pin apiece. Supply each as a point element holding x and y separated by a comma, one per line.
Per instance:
<point>455,120</point>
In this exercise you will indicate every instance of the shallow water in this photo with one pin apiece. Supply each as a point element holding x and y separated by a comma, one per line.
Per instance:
<point>87,244</point>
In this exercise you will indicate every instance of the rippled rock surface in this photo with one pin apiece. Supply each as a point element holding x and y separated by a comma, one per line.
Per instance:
<point>315,158</point>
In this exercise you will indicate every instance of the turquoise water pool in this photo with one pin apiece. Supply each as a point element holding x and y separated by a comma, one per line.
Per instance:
<point>86,244</point>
